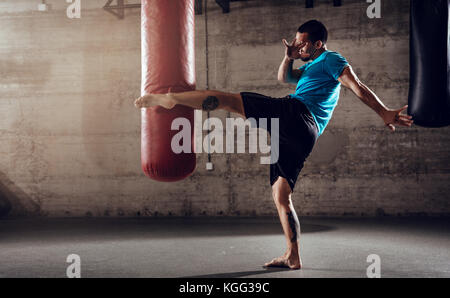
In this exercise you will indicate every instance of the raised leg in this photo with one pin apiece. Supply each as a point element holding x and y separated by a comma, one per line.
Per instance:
<point>281,192</point>
<point>207,100</point>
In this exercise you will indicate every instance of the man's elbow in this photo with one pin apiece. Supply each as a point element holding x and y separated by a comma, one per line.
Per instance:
<point>282,79</point>
<point>286,80</point>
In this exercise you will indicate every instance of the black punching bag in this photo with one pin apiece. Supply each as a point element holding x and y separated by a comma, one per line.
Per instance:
<point>429,93</point>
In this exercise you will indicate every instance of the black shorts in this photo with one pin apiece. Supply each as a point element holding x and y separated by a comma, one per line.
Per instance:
<point>298,131</point>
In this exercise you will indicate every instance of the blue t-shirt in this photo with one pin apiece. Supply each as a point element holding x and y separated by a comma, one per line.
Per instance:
<point>318,87</point>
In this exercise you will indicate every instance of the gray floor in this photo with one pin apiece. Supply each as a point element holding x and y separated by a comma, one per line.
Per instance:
<point>222,247</point>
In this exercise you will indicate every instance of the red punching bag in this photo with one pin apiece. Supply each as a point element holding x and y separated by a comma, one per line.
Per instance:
<point>168,63</point>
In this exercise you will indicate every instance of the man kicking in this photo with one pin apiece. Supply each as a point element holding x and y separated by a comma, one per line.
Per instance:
<point>303,116</point>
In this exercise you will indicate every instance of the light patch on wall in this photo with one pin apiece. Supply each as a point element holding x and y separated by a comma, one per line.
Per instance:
<point>329,146</point>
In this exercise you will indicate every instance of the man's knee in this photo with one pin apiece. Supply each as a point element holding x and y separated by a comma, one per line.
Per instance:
<point>281,191</point>
<point>236,103</point>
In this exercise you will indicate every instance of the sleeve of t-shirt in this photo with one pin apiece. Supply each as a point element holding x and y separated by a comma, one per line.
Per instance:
<point>335,64</point>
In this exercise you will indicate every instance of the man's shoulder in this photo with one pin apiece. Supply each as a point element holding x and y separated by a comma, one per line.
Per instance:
<point>330,55</point>
<point>334,58</point>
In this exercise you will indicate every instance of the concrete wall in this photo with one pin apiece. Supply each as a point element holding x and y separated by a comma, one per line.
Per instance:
<point>70,136</point>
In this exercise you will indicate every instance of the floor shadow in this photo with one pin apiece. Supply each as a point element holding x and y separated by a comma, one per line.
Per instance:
<point>87,229</point>
<point>14,201</point>
<point>238,274</point>
<point>5,204</point>
<point>334,270</point>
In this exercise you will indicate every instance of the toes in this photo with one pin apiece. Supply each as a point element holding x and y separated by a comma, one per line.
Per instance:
<point>283,262</point>
<point>277,262</point>
<point>140,102</point>
<point>144,102</point>
<point>153,100</point>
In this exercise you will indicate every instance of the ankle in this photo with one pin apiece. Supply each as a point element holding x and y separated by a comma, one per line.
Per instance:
<point>293,248</point>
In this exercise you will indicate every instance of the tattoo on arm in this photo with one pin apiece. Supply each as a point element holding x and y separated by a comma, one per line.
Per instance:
<point>292,225</point>
<point>210,103</point>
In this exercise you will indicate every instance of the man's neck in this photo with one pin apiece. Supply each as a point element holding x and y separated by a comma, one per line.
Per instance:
<point>318,53</point>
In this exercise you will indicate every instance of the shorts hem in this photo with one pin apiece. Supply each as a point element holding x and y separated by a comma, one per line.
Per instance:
<point>275,178</point>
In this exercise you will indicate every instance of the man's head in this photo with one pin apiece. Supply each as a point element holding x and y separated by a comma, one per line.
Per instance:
<point>315,35</point>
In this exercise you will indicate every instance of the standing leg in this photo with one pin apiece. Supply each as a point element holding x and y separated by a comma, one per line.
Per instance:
<point>291,226</point>
<point>207,100</point>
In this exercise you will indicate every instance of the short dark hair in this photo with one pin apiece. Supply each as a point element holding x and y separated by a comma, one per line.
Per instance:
<point>316,31</point>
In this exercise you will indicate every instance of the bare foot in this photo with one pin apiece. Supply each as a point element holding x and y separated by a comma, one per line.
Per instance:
<point>288,261</point>
<point>152,100</point>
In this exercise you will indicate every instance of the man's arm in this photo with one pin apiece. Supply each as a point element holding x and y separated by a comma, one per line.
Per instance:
<point>390,117</point>
<point>286,74</point>
<point>291,52</point>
